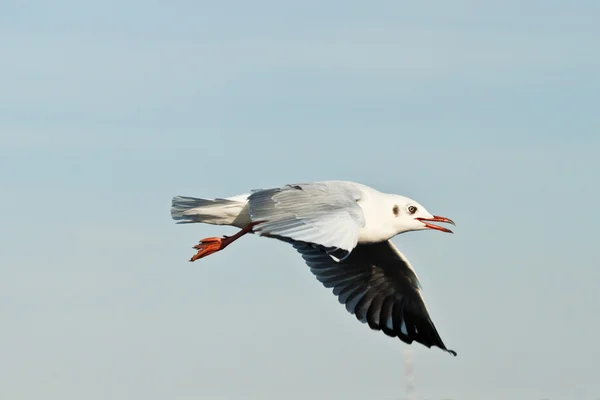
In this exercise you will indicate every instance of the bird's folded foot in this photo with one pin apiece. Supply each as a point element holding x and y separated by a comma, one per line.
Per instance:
<point>213,244</point>
<point>208,246</point>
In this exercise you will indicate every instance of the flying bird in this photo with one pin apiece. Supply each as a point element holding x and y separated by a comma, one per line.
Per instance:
<point>342,230</point>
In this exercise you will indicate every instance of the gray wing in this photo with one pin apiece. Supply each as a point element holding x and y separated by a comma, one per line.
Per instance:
<point>378,285</point>
<point>323,213</point>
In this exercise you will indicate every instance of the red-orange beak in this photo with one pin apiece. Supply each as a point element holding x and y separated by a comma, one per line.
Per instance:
<point>437,219</point>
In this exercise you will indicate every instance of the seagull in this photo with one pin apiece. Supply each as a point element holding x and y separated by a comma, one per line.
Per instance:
<point>342,230</point>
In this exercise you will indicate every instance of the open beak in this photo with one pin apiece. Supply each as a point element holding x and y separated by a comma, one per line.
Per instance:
<point>437,219</point>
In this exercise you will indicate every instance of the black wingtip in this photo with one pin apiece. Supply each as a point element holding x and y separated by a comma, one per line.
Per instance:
<point>452,352</point>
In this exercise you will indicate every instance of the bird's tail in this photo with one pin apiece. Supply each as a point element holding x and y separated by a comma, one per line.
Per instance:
<point>230,211</point>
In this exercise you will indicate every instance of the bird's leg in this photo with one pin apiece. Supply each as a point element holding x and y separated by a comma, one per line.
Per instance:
<point>211,245</point>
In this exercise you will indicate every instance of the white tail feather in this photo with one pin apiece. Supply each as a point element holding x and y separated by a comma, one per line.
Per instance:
<point>230,211</point>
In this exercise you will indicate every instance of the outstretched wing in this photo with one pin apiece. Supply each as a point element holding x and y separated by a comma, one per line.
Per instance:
<point>378,285</point>
<point>323,213</point>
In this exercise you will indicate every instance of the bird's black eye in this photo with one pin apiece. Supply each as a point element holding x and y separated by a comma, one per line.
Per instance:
<point>412,209</point>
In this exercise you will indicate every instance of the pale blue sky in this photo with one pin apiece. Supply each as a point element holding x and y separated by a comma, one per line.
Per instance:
<point>485,113</point>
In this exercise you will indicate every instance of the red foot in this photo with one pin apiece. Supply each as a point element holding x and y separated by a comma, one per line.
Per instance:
<point>213,244</point>
<point>207,247</point>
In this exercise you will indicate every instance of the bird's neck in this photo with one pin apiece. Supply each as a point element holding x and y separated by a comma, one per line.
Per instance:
<point>379,221</point>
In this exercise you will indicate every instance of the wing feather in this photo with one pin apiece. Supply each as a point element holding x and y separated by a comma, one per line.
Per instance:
<point>378,285</point>
<point>323,213</point>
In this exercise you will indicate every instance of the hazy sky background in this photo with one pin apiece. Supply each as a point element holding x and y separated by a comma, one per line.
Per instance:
<point>485,113</point>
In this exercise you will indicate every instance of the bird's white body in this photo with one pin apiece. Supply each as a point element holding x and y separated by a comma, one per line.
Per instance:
<point>380,223</point>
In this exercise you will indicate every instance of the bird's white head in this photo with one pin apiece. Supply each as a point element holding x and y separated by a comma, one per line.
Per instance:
<point>412,216</point>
